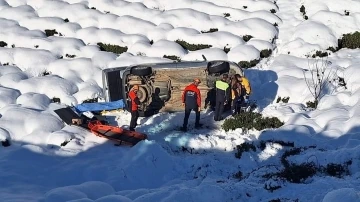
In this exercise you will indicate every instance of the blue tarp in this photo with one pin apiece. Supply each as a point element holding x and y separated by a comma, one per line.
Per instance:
<point>99,106</point>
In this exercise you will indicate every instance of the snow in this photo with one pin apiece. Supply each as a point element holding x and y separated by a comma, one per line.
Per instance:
<point>51,161</point>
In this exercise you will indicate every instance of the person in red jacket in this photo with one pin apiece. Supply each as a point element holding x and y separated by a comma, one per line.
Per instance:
<point>191,99</point>
<point>134,103</point>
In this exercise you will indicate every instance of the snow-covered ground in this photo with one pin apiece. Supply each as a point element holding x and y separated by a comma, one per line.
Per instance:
<point>174,166</point>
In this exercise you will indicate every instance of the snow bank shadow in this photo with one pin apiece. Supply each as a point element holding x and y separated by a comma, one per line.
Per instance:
<point>263,85</point>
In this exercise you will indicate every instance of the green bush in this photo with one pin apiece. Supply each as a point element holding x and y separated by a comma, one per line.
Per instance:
<point>302,9</point>
<point>192,47</point>
<point>238,175</point>
<point>112,48</point>
<point>351,41</point>
<point>226,50</point>
<point>50,32</point>
<point>312,104</point>
<point>246,38</point>
<point>172,57</point>
<point>226,15</point>
<point>265,53</point>
<point>211,30</point>
<point>3,44</point>
<point>284,99</point>
<point>273,11</point>
<point>250,120</point>
<point>244,147</point>
<point>247,65</point>
<point>320,54</point>
<point>66,20</point>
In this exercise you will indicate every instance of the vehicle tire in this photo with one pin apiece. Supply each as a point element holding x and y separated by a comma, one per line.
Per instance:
<point>218,67</point>
<point>141,71</point>
<point>142,94</point>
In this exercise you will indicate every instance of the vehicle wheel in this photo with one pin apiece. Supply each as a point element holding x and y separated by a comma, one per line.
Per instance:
<point>142,94</point>
<point>218,67</point>
<point>141,71</point>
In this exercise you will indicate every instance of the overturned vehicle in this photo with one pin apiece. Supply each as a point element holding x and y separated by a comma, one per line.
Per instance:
<point>161,84</point>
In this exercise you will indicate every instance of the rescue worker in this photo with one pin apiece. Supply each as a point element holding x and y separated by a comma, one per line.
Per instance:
<point>236,90</point>
<point>222,96</point>
<point>191,99</point>
<point>134,103</point>
<point>246,88</point>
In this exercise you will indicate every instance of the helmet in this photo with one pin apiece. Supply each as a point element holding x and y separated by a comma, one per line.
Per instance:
<point>197,80</point>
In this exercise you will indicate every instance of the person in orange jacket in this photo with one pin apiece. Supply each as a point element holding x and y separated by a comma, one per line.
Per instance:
<point>134,104</point>
<point>191,99</point>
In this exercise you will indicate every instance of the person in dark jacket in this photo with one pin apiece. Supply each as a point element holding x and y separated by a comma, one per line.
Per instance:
<point>191,99</point>
<point>236,94</point>
<point>134,103</point>
<point>222,96</point>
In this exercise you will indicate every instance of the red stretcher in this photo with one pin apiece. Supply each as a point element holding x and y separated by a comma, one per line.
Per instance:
<point>101,128</point>
<point>115,133</point>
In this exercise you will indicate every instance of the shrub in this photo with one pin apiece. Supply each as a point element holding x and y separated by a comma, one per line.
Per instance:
<point>173,57</point>
<point>302,9</point>
<point>93,8</point>
<point>298,173</point>
<point>66,20</point>
<point>65,143</point>
<point>284,99</point>
<point>211,30</point>
<point>347,13</point>
<point>249,120</point>
<point>245,7</point>
<point>112,48</point>
<point>273,11</point>
<point>246,38</point>
<point>337,170</point>
<point>320,54</point>
<point>50,32</point>
<point>226,15</point>
<point>275,24</point>
<point>244,147</point>
<point>265,53</point>
<point>332,49</point>
<point>226,50</point>
<point>45,72</point>
<point>13,46</point>
<point>151,42</point>
<point>192,47</point>
<point>351,41</point>
<point>312,104</point>
<point>36,46</point>
<point>238,175</point>
<point>246,64</point>
<point>3,44</point>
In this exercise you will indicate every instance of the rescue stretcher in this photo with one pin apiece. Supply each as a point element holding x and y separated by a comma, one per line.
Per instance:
<point>100,127</point>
